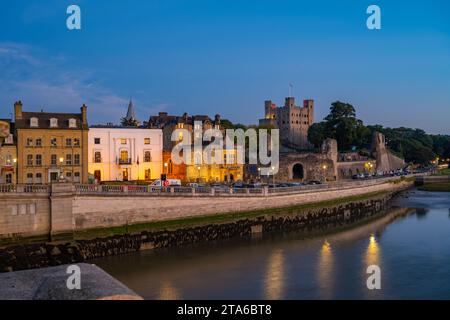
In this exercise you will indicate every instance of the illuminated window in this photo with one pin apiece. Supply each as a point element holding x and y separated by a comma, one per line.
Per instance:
<point>146,140</point>
<point>123,141</point>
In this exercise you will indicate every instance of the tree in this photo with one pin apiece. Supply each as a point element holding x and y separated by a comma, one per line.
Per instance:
<point>340,124</point>
<point>129,122</point>
<point>317,134</point>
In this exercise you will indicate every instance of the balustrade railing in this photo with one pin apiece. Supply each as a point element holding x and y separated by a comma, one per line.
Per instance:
<point>193,191</point>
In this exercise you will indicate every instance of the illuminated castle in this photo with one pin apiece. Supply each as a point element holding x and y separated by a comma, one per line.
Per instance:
<point>292,121</point>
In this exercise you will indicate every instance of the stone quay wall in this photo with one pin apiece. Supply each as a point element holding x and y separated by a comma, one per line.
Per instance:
<point>312,220</point>
<point>61,212</point>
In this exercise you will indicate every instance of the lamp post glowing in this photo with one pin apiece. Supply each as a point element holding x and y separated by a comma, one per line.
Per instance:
<point>61,175</point>
<point>324,168</point>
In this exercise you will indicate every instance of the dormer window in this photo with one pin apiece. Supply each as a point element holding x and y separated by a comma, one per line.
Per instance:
<point>72,123</point>
<point>53,122</point>
<point>34,122</point>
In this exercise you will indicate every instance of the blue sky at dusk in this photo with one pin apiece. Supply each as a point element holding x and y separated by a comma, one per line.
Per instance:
<point>227,57</point>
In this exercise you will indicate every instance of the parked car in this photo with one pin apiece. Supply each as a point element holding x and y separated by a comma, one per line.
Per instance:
<point>314,182</point>
<point>171,183</point>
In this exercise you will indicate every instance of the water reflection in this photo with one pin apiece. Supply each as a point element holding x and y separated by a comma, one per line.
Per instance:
<point>274,280</point>
<point>168,291</point>
<point>325,268</point>
<point>421,213</point>
<point>372,252</point>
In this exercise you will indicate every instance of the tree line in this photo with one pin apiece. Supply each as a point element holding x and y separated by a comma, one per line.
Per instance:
<point>413,145</point>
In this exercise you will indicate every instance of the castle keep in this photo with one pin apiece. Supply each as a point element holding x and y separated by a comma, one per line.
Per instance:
<point>292,121</point>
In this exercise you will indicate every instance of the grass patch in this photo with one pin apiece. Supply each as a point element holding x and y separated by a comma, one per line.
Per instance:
<point>436,187</point>
<point>217,218</point>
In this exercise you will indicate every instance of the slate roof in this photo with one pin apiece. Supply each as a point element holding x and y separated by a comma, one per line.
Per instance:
<point>44,120</point>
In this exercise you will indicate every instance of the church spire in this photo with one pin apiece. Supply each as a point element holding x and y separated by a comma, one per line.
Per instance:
<point>131,114</point>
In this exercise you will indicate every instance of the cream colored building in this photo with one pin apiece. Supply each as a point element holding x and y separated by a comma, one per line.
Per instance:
<point>124,153</point>
<point>228,171</point>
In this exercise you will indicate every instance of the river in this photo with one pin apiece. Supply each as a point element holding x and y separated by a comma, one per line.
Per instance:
<point>410,244</point>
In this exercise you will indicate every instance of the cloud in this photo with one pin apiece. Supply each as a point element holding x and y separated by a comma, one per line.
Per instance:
<point>48,82</point>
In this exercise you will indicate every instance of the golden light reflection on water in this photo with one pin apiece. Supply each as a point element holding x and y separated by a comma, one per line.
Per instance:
<point>274,279</point>
<point>325,270</point>
<point>372,252</point>
<point>168,291</point>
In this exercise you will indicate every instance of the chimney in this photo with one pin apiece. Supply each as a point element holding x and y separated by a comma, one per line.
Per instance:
<point>18,110</point>
<point>84,115</point>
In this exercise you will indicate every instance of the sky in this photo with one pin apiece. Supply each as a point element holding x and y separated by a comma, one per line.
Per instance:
<point>227,57</point>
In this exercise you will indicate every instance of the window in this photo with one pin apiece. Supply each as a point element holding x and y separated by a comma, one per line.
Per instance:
<point>38,177</point>
<point>97,157</point>
<point>123,141</point>
<point>96,140</point>
<point>9,139</point>
<point>76,159</point>
<point>72,123</point>
<point>68,142</point>
<point>38,142</point>
<point>76,142</point>
<point>53,142</point>
<point>69,176</point>
<point>34,122</point>
<point>39,159</point>
<point>8,178</point>
<point>170,166</point>
<point>147,156</point>
<point>148,174</point>
<point>76,177</point>
<point>146,140</point>
<point>53,122</point>
<point>29,178</point>
<point>30,160</point>
<point>124,156</point>
<point>68,159</point>
<point>29,142</point>
<point>53,159</point>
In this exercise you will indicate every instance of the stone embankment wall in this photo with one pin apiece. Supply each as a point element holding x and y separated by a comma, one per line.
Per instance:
<point>308,220</point>
<point>432,179</point>
<point>62,212</point>
<point>96,211</point>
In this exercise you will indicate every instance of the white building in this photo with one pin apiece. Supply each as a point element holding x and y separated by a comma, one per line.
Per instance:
<point>124,153</point>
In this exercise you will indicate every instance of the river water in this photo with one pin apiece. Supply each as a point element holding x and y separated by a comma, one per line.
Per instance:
<point>410,244</point>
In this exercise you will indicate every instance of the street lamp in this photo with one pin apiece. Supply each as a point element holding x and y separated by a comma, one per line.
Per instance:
<point>198,168</point>
<point>324,167</point>
<point>61,176</point>
<point>259,174</point>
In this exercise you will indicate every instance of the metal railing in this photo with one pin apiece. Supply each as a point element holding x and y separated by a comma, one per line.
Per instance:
<point>95,189</point>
